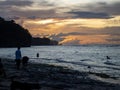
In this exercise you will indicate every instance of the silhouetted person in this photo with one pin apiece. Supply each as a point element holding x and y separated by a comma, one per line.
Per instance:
<point>2,71</point>
<point>37,55</point>
<point>25,61</point>
<point>18,57</point>
<point>107,57</point>
<point>89,67</point>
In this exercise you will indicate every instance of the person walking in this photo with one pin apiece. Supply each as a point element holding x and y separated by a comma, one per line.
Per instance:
<point>18,57</point>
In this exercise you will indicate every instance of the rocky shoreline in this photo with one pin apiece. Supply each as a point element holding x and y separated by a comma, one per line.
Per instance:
<point>49,77</point>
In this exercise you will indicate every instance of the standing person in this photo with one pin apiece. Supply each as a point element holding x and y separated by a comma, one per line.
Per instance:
<point>37,55</point>
<point>18,57</point>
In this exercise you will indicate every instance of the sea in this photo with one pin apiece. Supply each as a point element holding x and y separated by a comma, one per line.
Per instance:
<point>79,57</point>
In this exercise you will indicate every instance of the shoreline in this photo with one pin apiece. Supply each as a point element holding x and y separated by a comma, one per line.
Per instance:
<point>52,77</point>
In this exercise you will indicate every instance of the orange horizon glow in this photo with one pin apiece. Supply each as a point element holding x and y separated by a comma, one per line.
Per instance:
<point>56,26</point>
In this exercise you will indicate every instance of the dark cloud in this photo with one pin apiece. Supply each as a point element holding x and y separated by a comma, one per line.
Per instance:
<point>72,42</point>
<point>37,13</point>
<point>67,34</point>
<point>14,18</point>
<point>28,14</point>
<point>45,3</point>
<point>101,10</point>
<point>15,3</point>
<point>109,8</point>
<point>10,8</point>
<point>32,17</point>
<point>14,9</point>
<point>95,10</point>
<point>59,37</point>
<point>112,33</point>
<point>82,14</point>
<point>113,39</point>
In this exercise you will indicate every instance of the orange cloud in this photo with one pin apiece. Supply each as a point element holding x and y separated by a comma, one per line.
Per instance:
<point>85,39</point>
<point>86,31</point>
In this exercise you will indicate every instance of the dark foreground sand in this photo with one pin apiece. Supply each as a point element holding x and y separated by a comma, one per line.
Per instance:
<point>50,77</point>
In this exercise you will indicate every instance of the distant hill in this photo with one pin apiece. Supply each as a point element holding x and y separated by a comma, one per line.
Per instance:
<point>43,41</point>
<point>13,35</point>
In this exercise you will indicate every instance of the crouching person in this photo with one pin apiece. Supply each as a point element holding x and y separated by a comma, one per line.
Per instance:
<point>25,61</point>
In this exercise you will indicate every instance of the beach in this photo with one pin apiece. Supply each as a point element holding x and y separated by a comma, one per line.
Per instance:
<point>52,77</point>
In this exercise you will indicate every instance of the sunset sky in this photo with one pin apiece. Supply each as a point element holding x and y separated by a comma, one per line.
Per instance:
<point>71,22</point>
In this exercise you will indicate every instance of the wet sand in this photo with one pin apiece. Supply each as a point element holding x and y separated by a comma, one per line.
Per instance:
<point>51,77</point>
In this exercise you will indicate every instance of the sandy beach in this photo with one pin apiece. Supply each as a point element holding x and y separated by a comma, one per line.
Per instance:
<point>51,77</point>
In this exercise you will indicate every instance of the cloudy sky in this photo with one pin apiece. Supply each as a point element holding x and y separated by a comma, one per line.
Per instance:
<point>70,22</point>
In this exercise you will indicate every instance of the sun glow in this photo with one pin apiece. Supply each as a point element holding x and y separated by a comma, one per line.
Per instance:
<point>47,21</point>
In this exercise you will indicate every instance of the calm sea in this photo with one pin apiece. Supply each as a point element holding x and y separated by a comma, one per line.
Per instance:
<point>75,57</point>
